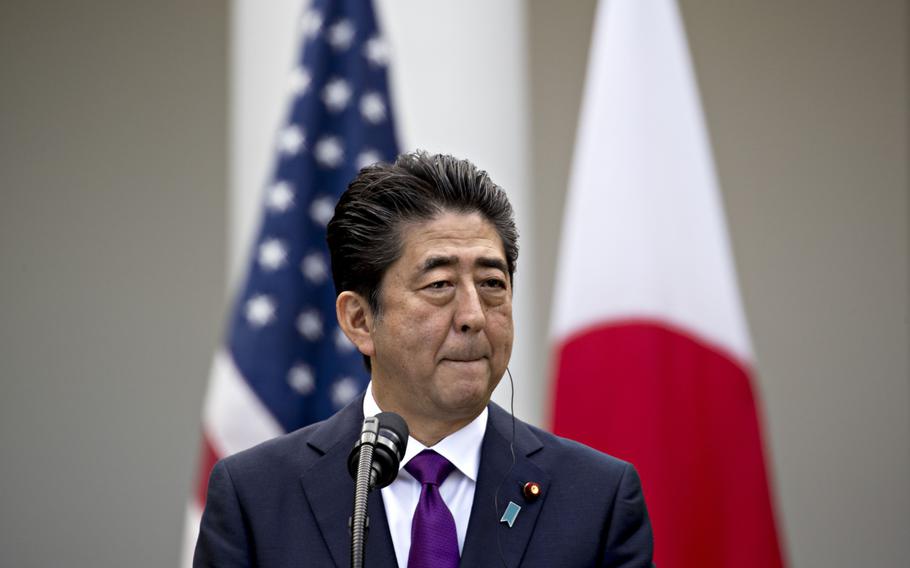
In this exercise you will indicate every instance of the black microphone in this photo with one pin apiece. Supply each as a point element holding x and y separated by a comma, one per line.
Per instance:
<point>373,463</point>
<point>387,433</point>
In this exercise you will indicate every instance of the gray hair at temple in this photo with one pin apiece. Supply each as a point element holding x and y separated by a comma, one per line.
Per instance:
<point>365,234</point>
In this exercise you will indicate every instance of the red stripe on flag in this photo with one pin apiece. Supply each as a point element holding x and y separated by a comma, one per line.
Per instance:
<point>685,416</point>
<point>207,459</point>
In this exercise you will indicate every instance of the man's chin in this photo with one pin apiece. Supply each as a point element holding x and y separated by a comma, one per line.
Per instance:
<point>465,387</point>
<point>465,379</point>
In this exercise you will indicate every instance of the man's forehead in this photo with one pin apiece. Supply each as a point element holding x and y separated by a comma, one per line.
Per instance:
<point>452,239</point>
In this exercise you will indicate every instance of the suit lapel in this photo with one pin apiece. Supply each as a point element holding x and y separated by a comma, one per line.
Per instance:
<point>379,549</point>
<point>329,490</point>
<point>486,535</point>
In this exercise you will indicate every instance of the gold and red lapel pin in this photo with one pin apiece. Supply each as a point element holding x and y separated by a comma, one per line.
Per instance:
<point>531,491</point>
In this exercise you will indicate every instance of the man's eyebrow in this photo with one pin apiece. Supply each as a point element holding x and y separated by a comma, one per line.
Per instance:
<point>438,261</point>
<point>484,261</point>
<point>492,262</point>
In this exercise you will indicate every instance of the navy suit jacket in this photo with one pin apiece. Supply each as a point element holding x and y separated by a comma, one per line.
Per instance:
<point>287,501</point>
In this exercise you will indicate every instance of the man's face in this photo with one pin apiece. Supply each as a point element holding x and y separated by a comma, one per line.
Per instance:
<point>444,335</point>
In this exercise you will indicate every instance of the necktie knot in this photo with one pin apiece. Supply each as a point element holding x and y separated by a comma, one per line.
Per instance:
<point>429,468</point>
<point>434,538</point>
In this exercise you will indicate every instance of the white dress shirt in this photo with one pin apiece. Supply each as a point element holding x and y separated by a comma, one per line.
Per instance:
<point>462,448</point>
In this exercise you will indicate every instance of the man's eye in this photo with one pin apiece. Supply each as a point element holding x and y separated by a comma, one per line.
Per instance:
<point>494,283</point>
<point>438,285</point>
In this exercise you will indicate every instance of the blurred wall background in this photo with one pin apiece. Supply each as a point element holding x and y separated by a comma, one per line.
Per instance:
<point>113,169</point>
<point>124,124</point>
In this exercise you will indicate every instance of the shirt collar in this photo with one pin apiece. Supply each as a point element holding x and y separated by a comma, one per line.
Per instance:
<point>461,447</point>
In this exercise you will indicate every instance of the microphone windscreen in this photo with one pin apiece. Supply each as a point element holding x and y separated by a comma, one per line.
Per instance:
<point>395,424</point>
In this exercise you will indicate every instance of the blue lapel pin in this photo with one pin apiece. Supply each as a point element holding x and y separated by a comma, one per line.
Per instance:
<point>511,514</point>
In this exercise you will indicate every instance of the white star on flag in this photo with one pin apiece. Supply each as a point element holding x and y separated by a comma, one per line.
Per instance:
<point>310,23</point>
<point>372,107</point>
<point>322,209</point>
<point>301,379</point>
<point>260,310</point>
<point>272,254</point>
<point>291,139</point>
<point>329,152</point>
<point>340,35</point>
<point>279,197</point>
<point>377,51</point>
<point>344,391</point>
<point>367,158</point>
<point>336,94</point>
<point>309,324</point>
<point>299,80</point>
<point>314,268</point>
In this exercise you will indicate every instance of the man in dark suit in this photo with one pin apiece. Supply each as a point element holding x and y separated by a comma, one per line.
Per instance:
<point>423,257</point>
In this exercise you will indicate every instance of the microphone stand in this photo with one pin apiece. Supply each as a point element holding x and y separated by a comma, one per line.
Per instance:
<point>373,463</point>
<point>365,479</point>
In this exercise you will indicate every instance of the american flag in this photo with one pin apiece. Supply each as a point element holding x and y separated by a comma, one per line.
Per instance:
<point>286,362</point>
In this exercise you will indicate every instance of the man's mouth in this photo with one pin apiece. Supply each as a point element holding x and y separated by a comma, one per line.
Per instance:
<point>464,359</point>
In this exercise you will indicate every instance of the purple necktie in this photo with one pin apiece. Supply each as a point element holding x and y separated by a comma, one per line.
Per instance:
<point>434,542</point>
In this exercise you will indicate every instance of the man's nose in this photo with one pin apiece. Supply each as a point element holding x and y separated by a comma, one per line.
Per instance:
<point>469,311</point>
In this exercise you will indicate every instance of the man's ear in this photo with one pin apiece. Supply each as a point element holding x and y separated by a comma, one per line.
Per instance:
<point>356,320</point>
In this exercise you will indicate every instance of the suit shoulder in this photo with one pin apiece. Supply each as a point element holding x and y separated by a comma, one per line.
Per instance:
<point>581,459</point>
<point>552,451</point>
<point>298,450</point>
<point>288,452</point>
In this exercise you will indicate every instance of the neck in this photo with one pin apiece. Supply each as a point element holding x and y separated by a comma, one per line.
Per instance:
<point>426,429</point>
<point>429,433</point>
